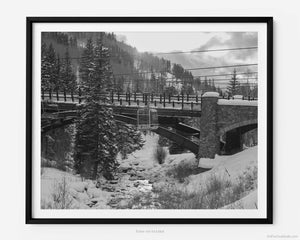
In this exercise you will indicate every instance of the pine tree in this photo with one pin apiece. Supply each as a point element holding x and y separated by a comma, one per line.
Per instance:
<point>49,77</point>
<point>45,75</point>
<point>153,86</point>
<point>98,137</point>
<point>87,65</point>
<point>52,61</point>
<point>234,85</point>
<point>219,90</point>
<point>68,78</point>
<point>96,131</point>
<point>206,86</point>
<point>58,73</point>
<point>129,139</point>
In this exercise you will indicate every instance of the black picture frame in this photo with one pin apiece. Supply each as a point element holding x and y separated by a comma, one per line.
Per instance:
<point>29,118</point>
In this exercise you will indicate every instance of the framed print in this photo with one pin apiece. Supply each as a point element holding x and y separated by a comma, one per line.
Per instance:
<point>149,120</point>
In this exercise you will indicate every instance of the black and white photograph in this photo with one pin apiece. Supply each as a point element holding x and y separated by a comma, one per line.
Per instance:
<point>150,122</point>
<point>159,120</point>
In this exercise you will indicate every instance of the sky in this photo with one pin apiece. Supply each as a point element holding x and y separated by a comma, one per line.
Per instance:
<point>167,41</point>
<point>162,42</point>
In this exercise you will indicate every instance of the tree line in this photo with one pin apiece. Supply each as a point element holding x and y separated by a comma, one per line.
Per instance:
<point>56,72</point>
<point>98,138</point>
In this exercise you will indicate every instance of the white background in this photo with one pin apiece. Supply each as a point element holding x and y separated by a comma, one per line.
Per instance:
<point>286,128</point>
<point>164,27</point>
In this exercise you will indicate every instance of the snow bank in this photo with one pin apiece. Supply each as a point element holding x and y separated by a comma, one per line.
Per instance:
<point>211,94</point>
<point>79,186</point>
<point>237,102</point>
<point>81,192</point>
<point>238,97</point>
<point>247,202</point>
<point>229,167</point>
<point>96,193</point>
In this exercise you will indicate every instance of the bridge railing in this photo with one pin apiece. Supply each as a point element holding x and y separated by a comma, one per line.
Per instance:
<point>62,95</point>
<point>246,98</point>
<point>183,101</point>
<point>179,101</point>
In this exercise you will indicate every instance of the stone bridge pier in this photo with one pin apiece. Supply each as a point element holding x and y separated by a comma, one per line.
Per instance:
<point>222,117</point>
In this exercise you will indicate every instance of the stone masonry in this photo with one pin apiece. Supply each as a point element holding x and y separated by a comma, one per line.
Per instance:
<point>219,116</point>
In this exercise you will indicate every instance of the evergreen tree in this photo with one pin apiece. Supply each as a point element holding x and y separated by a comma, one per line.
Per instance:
<point>98,137</point>
<point>52,67</point>
<point>234,85</point>
<point>171,90</point>
<point>49,67</point>
<point>206,86</point>
<point>137,84</point>
<point>96,142</point>
<point>57,146</point>
<point>68,78</point>
<point>58,73</point>
<point>219,90</point>
<point>213,85</point>
<point>45,75</point>
<point>153,86</point>
<point>129,139</point>
<point>87,65</point>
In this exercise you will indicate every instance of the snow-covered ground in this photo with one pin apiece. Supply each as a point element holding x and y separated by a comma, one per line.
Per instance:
<point>139,171</point>
<point>231,165</point>
<point>247,202</point>
<point>79,194</point>
<point>228,168</point>
<point>238,102</point>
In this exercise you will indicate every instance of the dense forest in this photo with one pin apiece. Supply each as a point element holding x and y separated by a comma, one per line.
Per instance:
<point>62,54</point>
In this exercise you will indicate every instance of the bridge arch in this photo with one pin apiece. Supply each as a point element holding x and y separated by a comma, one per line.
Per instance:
<point>232,117</point>
<point>252,123</point>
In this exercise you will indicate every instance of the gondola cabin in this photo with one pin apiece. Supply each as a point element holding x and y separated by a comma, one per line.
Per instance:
<point>147,119</point>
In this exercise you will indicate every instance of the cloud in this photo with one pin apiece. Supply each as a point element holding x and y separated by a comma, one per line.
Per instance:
<point>222,40</point>
<point>234,40</point>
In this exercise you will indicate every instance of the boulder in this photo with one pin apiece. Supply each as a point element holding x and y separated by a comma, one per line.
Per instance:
<point>113,181</point>
<point>123,204</point>
<point>140,169</point>
<point>94,192</point>
<point>124,169</point>
<point>82,197</point>
<point>133,178</point>
<point>140,177</point>
<point>73,193</point>
<point>108,188</point>
<point>78,186</point>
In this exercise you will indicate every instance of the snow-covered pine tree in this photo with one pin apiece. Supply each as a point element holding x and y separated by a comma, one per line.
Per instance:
<point>68,78</point>
<point>153,83</point>
<point>96,142</point>
<point>234,85</point>
<point>49,67</point>
<point>53,78</point>
<point>44,68</point>
<point>58,85</point>
<point>98,137</point>
<point>129,139</point>
<point>86,68</point>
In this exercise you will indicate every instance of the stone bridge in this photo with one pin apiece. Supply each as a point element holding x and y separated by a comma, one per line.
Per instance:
<point>222,123</point>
